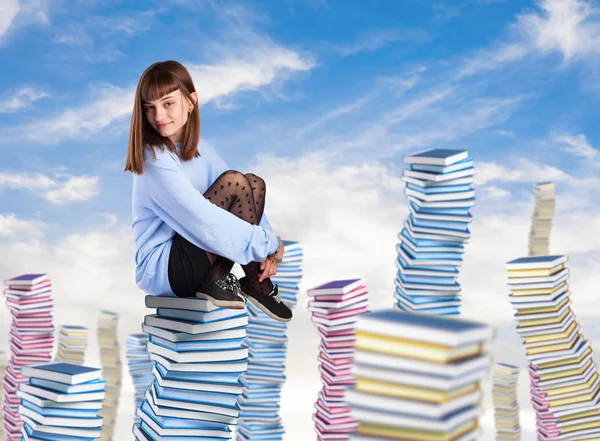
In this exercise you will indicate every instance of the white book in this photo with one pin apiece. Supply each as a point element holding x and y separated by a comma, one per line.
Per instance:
<point>91,423</point>
<point>389,419</point>
<point>190,303</point>
<point>58,430</point>
<point>399,406</point>
<point>176,411</point>
<point>59,397</point>
<point>198,356</point>
<point>235,366</point>
<point>194,327</point>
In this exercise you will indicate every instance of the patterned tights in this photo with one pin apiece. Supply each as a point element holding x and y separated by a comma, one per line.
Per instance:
<point>243,196</point>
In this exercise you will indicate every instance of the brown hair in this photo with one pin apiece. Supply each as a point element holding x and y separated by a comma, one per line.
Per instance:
<point>158,80</point>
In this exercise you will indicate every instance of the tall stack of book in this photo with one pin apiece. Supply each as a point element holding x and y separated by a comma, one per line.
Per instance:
<point>110,358</point>
<point>417,377</point>
<point>31,337</point>
<point>2,369</point>
<point>72,344</point>
<point>541,219</point>
<point>61,401</point>
<point>431,243</point>
<point>335,307</point>
<point>564,379</point>
<point>267,339</point>
<point>506,405</point>
<point>140,366</point>
<point>199,356</point>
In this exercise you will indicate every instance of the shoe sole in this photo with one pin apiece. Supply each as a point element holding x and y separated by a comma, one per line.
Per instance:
<point>229,304</point>
<point>266,311</point>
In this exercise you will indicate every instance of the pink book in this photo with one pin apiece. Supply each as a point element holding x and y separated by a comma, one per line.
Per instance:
<point>343,296</point>
<point>342,314</point>
<point>28,301</point>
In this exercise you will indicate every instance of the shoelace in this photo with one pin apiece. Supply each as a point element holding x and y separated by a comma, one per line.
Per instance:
<point>277,297</point>
<point>231,283</point>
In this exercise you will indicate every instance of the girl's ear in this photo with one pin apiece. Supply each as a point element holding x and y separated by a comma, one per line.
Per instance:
<point>194,97</point>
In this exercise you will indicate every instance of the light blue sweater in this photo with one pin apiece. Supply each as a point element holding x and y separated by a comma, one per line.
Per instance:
<point>168,198</point>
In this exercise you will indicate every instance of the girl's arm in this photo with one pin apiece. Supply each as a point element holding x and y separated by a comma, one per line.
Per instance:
<point>177,202</point>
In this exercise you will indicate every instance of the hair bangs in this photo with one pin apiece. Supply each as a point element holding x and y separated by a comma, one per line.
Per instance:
<point>158,84</point>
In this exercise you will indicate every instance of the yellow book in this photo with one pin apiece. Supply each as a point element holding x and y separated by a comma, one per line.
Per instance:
<point>551,348</point>
<point>550,337</point>
<point>566,361</point>
<point>395,390</point>
<point>537,291</point>
<point>544,321</point>
<point>401,433</point>
<point>573,400</point>
<point>535,272</point>
<point>543,308</point>
<point>576,416</point>
<point>580,426</point>
<point>414,349</point>
<point>566,373</point>
<point>575,388</point>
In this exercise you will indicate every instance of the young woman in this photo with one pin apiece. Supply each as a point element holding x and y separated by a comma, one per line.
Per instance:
<point>192,216</point>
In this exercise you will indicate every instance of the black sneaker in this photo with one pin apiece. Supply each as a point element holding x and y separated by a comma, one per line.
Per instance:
<point>224,292</point>
<point>270,303</point>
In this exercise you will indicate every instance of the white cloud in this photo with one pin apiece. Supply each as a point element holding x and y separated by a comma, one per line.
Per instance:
<point>347,219</point>
<point>11,225</point>
<point>241,69</point>
<point>378,39</point>
<point>571,27</point>
<point>524,171</point>
<point>8,11</point>
<point>21,99</point>
<point>577,145</point>
<point>15,14</point>
<point>62,189</point>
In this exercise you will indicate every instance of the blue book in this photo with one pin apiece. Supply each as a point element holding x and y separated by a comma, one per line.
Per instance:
<point>89,386</point>
<point>200,316</point>
<point>335,287</point>
<point>535,262</point>
<point>440,225</point>
<point>36,434</point>
<point>202,345</point>
<point>425,280</point>
<point>193,396</point>
<point>26,279</point>
<point>62,372</point>
<point>443,157</point>
<point>424,243</point>
<point>173,423</point>
<point>440,189</point>
<point>60,411</point>
<point>426,328</point>
<point>457,166</point>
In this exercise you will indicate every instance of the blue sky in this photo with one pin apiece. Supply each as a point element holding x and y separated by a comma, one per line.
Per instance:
<point>323,99</point>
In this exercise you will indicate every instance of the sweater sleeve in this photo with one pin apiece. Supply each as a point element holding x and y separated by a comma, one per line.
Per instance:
<point>175,200</point>
<point>218,166</point>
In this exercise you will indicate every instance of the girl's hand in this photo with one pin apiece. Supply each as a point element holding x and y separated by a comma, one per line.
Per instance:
<point>268,268</point>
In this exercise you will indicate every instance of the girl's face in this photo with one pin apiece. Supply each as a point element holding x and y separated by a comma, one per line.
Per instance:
<point>168,115</point>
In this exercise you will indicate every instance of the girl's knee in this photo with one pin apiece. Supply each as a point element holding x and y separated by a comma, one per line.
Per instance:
<point>255,180</point>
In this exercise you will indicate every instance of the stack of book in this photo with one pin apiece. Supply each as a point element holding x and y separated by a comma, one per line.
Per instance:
<point>140,366</point>
<point>72,344</point>
<point>541,219</point>
<point>506,405</point>
<point>417,377</point>
<point>110,358</point>
<point>335,307</point>
<point>431,243</point>
<point>31,337</point>
<point>61,401</point>
<point>564,379</point>
<point>267,340</point>
<point>2,368</point>
<point>199,356</point>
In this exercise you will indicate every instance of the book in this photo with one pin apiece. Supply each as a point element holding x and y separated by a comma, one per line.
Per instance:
<point>441,157</point>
